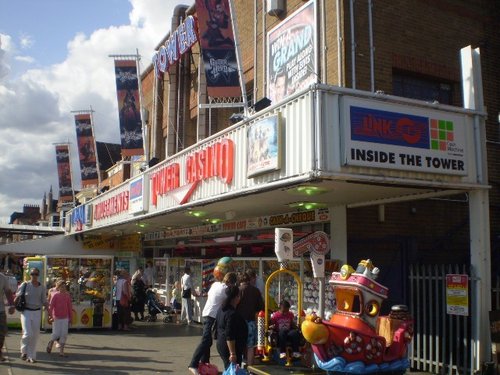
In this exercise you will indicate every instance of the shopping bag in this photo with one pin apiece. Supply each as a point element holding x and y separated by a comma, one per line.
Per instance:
<point>234,369</point>
<point>208,369</point>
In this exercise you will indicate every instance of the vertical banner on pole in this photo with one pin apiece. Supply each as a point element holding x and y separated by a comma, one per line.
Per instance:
<point>64,173</point>
<point>218,48</point>
<point>86,149</point>
<point>127,90</point>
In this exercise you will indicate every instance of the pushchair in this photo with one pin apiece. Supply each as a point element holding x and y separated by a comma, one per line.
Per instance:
<point>155,307</point>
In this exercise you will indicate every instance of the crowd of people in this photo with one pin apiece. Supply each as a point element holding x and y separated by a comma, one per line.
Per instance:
<point>229,314</point>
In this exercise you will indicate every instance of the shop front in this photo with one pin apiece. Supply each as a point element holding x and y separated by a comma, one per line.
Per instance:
<point>319,153</point>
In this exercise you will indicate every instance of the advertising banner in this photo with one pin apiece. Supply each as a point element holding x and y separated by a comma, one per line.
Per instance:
<point>86,149</point>
<point>292,54</point>
<point>218,48</point>
<point>405,138</point>
<point>127,90</point>
<point>64,173</point>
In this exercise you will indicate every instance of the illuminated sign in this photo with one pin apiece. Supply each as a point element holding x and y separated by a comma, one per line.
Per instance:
<point>112,206</point>
<point>216,160</point>
<point>180,41</point>
<point>402,138</point>
<point>394,128</point>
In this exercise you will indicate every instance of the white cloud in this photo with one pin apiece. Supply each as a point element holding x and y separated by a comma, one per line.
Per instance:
<point>35,109</point>
<point>25,59</point>
<point>26,41</point>
<point>5,49</point>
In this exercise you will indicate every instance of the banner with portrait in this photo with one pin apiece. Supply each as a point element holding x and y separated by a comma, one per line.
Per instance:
<point>218,48</point>
<point>292,54</point>
<point>129,107</point>
<point>64,173</point>
<point>86,149</point>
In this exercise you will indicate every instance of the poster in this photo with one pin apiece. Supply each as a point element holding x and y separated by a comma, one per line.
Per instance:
<point>218,48</point>
<point>64,173</point>
<point>86,149</point>
<point>129,107</point>
<point>263,146</point>
<point>457,294</point>
<point>292,54</point>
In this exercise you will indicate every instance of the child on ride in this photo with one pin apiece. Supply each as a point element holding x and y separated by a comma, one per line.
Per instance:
<point>283,322</point>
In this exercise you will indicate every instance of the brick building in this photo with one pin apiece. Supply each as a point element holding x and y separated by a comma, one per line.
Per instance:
<point>385,50</point>
<point>415,47</point>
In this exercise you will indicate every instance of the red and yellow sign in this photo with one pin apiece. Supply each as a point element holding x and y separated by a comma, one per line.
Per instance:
<point>457,294</point>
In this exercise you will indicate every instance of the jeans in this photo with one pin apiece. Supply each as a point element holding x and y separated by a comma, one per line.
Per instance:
<point>202,352</point>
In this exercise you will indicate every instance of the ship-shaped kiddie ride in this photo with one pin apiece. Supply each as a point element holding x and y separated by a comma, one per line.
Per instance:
<point>356,339</point>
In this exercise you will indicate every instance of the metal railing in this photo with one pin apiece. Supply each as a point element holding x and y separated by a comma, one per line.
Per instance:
<point>442,343</point>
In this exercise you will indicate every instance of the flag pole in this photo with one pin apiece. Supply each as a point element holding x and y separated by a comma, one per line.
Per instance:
<point>238,58</point>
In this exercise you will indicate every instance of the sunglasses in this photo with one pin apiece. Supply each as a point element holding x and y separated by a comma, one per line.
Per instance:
<point>34,274</point>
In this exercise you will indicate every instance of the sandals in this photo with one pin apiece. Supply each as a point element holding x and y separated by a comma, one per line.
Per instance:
<point>49,346</point>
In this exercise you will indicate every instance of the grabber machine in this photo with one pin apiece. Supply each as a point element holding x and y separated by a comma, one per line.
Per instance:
<point>279,287</point>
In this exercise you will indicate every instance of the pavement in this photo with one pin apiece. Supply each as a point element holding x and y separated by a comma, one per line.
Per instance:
<point>149,348</point>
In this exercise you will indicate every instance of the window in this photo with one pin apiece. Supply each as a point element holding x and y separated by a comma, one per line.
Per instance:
<point>428,89</point>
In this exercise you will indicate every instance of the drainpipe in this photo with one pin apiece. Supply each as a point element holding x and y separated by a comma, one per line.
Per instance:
<point>238,57</point>
<point>323,42</point>
<point>353,45</point>
<point>340,48</point>
<point>372,48</point>
<point>255,24</point>
<point>264,43</point>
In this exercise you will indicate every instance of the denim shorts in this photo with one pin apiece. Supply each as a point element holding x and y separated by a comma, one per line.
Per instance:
<point>252,334</point>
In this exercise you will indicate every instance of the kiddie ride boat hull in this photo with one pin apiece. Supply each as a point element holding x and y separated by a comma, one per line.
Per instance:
<point>356,340</point>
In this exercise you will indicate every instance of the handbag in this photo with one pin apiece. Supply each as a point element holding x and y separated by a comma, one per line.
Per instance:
<point>207,369</point>
<point>20,301</point>
<point>186,293</point>
<point>234,369</point>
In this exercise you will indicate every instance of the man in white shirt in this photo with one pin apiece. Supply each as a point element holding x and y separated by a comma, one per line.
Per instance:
<point>147,275</point>
<point>215,298</point>
<point>186,286</point>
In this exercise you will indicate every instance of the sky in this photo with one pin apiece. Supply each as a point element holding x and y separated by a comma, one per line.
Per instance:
<point>54,59</point>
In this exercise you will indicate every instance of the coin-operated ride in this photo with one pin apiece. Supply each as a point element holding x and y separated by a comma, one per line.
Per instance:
<point>286,249</point>
<point>356,339</point>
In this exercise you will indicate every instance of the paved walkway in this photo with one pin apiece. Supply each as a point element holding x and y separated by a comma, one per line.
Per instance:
<point>150,348</point>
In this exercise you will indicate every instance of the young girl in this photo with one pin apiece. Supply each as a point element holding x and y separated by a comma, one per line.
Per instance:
<point>283,322</point>
<point>60,309</point>
<point>175,301</point>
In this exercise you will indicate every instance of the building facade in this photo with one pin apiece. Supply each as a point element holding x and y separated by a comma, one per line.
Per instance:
<point>340,150</point>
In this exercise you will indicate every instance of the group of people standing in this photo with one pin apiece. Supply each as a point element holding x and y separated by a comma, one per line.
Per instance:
<point>230,314</point>
<point>130,294</point>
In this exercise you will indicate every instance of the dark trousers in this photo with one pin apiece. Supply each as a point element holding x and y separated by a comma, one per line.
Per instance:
<point>202,352</point>
<point>224,353</point>
<point>292,336</point>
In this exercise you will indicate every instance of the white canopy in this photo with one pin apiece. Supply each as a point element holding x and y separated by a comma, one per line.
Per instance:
<point>52,245</point>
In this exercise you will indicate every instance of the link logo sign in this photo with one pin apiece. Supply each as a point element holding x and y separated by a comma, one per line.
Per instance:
<point>398,138</point>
